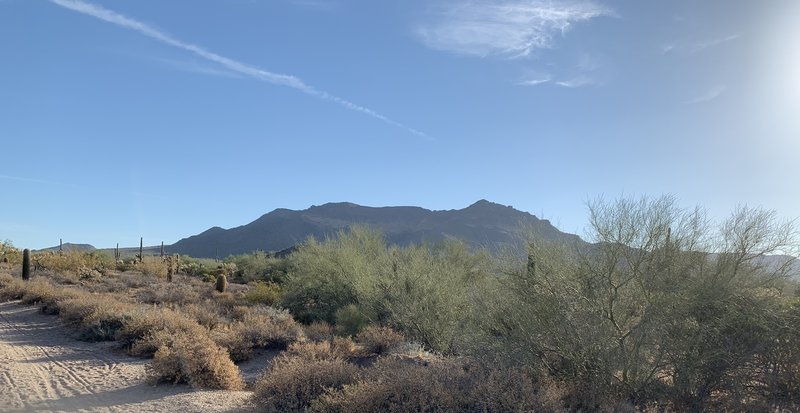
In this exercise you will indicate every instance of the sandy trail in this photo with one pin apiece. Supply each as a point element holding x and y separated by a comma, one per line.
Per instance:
<point>44,369</point>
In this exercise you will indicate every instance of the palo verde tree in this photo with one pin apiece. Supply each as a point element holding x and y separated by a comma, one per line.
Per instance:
<point>661,305</point>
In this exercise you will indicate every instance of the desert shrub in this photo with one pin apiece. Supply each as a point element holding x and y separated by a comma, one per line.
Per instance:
<point>11,288</point>
<point>646,314</point>
<point>326,276</point>
<point>38,291</point>
<point>77,262</point>
<point>379,340</point>
<point>429,294</point>
<point>291,384</point>
<point>205,313</point>
<point>195,360</point>
<point>426,292</point>
<point>398,385</point>
<point>260,327</point>
<point>336,348</point>
<point>319,331</point>
<point>9,254</point>
<point>180,294</point>
<point>265,293</point>
<point>350,320</point>
<point>153,267</point>
<point>96,317</point>
<point>259,266</point>
<point>145,332</point>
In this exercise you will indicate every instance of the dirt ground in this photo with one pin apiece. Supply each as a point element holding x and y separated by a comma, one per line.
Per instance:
<point>44,369</point>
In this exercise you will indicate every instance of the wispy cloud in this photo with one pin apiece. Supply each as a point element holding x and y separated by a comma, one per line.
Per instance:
<point>576,82</point>
<point>512,28</point>
<point>698,46</point>
<point>535,82</point>
<point>709,95</point>
<point>254,72</point>
<point>714,42</point>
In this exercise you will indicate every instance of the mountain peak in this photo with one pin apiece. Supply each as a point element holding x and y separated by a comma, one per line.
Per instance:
<point>483,203</point>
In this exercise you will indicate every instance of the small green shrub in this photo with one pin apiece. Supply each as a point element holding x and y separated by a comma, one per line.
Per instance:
<point>265,293</point>
<point>350,320</point>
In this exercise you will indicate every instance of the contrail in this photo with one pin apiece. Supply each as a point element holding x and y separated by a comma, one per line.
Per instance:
<point>243,68</point>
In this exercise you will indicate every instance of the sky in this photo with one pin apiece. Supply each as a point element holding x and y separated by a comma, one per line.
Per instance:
<point>125,119</point>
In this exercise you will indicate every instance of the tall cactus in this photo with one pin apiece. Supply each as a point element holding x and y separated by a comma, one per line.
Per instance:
<point>26,264</point>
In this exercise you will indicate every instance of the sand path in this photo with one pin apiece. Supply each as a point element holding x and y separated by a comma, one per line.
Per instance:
<point>43,369</point>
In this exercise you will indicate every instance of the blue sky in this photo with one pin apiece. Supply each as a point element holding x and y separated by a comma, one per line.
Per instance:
<point>121,119</point>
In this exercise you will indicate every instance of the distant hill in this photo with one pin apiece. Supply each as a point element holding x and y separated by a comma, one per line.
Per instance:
<point>482,224</point>
<point>68,247</point>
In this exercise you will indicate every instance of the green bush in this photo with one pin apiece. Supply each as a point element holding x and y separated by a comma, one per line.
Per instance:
<point>259,266</point>
<point>264,293</point>
<point>426,292</point>
<point>350,320</point>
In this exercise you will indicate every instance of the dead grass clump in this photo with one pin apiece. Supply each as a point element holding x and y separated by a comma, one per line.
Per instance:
<point>318,331</point>
<point>291,384</point>
<point>239,347</point>
<point>149,330</point>
<point>195,360</point>
<point>38,291</point>
<point>340,348</point>
<point>11,288</point>
<point>379,340</point>
<point>512,390</point>
<point>206,315</point>
<point>134,280</point>
<point>259,327</point>
<point>401,385</point>
<point>153,267</point>
<point>168,293</point>
<point>392,385</point>
<point>267,327</point>
<point>97,317</point>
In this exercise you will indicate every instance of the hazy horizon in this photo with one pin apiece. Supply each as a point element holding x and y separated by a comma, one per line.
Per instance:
<point>125,119</point>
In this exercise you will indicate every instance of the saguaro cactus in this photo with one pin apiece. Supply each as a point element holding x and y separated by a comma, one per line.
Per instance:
<point>26,264</point>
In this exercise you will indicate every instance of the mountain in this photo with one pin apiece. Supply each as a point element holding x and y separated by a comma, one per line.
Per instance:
<point>482,224</point>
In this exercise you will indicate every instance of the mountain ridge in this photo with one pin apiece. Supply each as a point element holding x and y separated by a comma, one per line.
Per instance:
<point>481,224</point>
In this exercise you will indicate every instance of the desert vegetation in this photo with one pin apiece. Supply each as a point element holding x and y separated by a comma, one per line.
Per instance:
<point>663,311</point>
